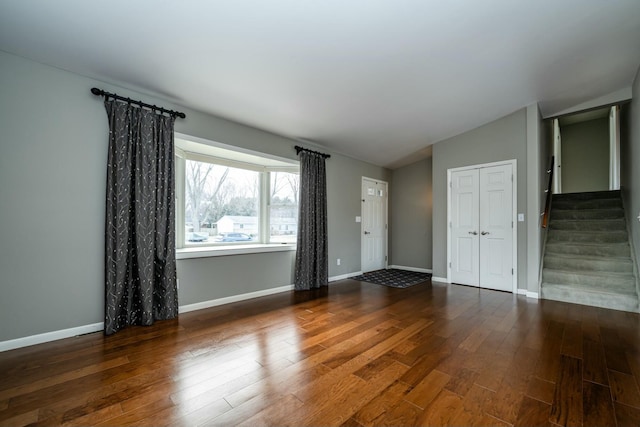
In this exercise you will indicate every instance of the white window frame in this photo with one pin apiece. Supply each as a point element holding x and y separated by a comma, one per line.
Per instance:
<point>186,250</point>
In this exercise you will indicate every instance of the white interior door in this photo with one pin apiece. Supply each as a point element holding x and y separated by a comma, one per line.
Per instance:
<point>496,228</point>
<point>374,225</point>
<point>481,227</point>
<point>465,227</point>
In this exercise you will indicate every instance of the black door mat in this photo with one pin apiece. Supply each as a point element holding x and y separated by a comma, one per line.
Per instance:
<point>393,278</point>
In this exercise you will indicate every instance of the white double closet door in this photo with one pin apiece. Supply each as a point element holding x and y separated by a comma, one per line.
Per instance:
<point>481,227</point>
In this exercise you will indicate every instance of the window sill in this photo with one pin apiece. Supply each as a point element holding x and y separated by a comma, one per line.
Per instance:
<point>213,251</point>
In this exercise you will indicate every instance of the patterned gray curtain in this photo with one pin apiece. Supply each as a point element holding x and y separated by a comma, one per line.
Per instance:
<point>140,265</point>
<point>312,264</point>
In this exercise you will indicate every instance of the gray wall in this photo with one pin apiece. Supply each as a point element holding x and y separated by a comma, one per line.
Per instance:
<point>53,155</point>
<point>502,139</point>
<point>344,184</point>
<point>205,279</point>
<point>411,207</point>
<point>538,157</point>
<point>630,164</point>
<point>585,156</point>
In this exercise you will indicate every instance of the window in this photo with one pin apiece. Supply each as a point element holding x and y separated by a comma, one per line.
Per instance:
<point>283,207</point>
<point>227,197</point>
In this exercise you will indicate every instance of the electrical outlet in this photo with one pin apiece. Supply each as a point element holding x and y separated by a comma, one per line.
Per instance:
<point>338,261</point>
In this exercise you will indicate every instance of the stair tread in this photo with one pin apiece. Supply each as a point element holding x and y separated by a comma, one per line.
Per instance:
<point>586,204</point>
<point>582,224</point>
<point>557,243</point>
<point>590,257</point>
<point>585,201</point>
<point>592,273</point>
<point>599,250</point>
<point>587,220</point>
<point>591,233</point>
<point>616,209</point>
<point>588,195</point>
<point>588,231</point>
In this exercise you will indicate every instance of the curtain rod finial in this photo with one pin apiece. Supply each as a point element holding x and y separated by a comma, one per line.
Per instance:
<point>96,91</point>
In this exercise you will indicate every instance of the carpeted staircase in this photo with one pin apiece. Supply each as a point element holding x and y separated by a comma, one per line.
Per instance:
<point>587,254</point>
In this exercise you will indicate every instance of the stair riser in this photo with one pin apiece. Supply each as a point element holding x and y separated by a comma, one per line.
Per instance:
<point>588,214</point>
<point>591,237</point>
<point>595,299</point>
<point>620,250</point>
<point>612,265</point>
<point>585,225</point>
<point>579,278</point>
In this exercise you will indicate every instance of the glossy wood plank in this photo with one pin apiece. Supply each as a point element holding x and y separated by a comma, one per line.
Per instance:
<point>627,416</point>
<point>595,365</point>
<point>442,410</point>
<point>340,408</point>
<point>426,390</point>
<point>354,354</point>
<point>533,413</point>
<point>377,408</point>
<point>572,340</point>
<point>624,388</point>
<point>540,389</point>
<point>549,359</point>
<point>473,405</point>
<point>566,409</point>
<point>597,404</point>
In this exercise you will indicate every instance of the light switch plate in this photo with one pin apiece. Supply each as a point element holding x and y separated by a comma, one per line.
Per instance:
<point>358,219</point>
<point>520,217</point>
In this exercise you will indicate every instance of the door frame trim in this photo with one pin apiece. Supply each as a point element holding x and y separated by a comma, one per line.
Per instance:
<point>386,220</point>
<point>514,201</point>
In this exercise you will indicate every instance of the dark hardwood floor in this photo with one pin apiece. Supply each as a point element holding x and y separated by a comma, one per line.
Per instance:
<point>355,354</point>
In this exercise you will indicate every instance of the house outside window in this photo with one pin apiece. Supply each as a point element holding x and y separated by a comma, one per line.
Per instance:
<point>233,197</point>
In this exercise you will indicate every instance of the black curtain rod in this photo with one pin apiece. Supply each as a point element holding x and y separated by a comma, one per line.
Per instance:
<point>100,92</point>
<point>299,149</point>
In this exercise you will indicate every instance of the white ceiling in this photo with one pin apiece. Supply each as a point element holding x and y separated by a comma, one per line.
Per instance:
<point>379,80</point>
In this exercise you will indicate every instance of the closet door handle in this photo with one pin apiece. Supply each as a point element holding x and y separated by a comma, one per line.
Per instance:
<point>475,233</point>
<point>484,233</point>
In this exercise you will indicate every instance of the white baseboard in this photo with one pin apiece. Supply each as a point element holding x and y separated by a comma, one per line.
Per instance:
<point>50,336</point>
<point>233,298</point>
<point>344,276</point>
<point>416,269</point>
<point>95,327</point>
<point>528,294</point>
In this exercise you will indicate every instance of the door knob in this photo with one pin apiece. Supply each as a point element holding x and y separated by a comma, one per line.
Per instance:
<point>484,233</point>
<point>475,233</point>
<point>367,232</point>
